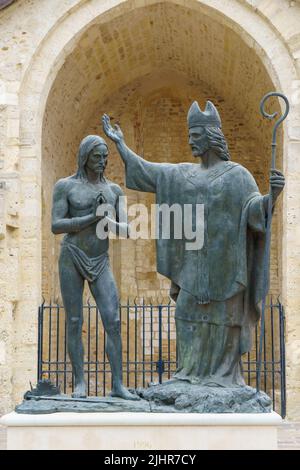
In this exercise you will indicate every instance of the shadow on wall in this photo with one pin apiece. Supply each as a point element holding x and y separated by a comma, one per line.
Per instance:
<point>5,3</point>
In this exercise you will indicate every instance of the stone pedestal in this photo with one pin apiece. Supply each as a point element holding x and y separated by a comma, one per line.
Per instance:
<point>146,431</point>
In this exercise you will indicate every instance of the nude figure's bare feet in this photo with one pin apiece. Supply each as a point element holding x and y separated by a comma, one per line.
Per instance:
<point>122,392</point>
<point>80,390</point>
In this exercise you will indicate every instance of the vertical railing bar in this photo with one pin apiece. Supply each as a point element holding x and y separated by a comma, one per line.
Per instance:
<point>104,362</point>
<point>265,355</point>
<point>120,317</point>
<point>72,381</point>
<point>282,360</point>
<point>49,339</point>
<point>176,365</point>
<point>97,350</point>
<point>160,363</point>
<point>169,343</point>
<point>256,355</point>
<point>127,342</point>
<point>65,353</point>
<point>57,340</point>
<point>151,341</point>
<point>273,355</point>
<point>284,364</point>
<point>89,345</point>
<point>249,373</point>
<point>42,338</point>
<point>143,339</point>
<point>40,341</point>
<point>135,346</point>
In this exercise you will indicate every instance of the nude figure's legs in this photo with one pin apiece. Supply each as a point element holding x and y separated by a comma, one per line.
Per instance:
<point>71,284</point>
<point>105,294</point>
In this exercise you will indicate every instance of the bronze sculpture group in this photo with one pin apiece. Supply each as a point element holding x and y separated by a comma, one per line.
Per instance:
<point>217,289</point>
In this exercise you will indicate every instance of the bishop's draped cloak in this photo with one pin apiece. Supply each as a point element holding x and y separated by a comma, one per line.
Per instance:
<point>221,283</point>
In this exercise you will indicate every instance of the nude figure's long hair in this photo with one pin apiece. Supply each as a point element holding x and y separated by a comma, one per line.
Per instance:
<point>86,145</point>
<point>217,142</point>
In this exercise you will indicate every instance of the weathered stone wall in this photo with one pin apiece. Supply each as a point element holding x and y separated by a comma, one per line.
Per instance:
<point>90,51</point>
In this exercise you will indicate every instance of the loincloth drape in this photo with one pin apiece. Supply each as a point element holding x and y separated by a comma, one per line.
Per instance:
<point>90,268</point>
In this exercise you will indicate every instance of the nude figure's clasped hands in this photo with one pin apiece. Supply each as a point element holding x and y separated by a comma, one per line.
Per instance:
<point>114,133</point>
<point>99,199</point>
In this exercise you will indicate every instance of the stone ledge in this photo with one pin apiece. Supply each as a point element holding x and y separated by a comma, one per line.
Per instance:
<point>141,431</point>
<point>14,419</point>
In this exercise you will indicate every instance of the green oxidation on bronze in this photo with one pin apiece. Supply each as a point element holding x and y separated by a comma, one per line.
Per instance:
<point>84,256</point>
<point>217,288</point>
<point>46,405</point>
<point>177,396</point>
<point>174,396</point>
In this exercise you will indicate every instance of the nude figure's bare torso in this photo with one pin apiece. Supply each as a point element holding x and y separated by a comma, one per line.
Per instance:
<point>80,199</point>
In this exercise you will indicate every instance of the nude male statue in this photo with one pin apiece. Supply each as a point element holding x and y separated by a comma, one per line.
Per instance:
<point>84,256</point>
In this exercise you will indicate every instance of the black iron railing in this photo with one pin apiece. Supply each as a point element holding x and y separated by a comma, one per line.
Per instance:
<point>149,349</point>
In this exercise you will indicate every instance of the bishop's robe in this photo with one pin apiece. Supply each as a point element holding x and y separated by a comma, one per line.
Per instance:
<point>219,285</point>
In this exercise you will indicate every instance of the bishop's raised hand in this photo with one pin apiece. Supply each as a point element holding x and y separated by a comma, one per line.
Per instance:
<point>114,133</point>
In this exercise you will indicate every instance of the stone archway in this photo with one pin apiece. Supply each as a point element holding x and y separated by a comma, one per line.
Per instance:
<point>152,61</point>
<point>60,49</point>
